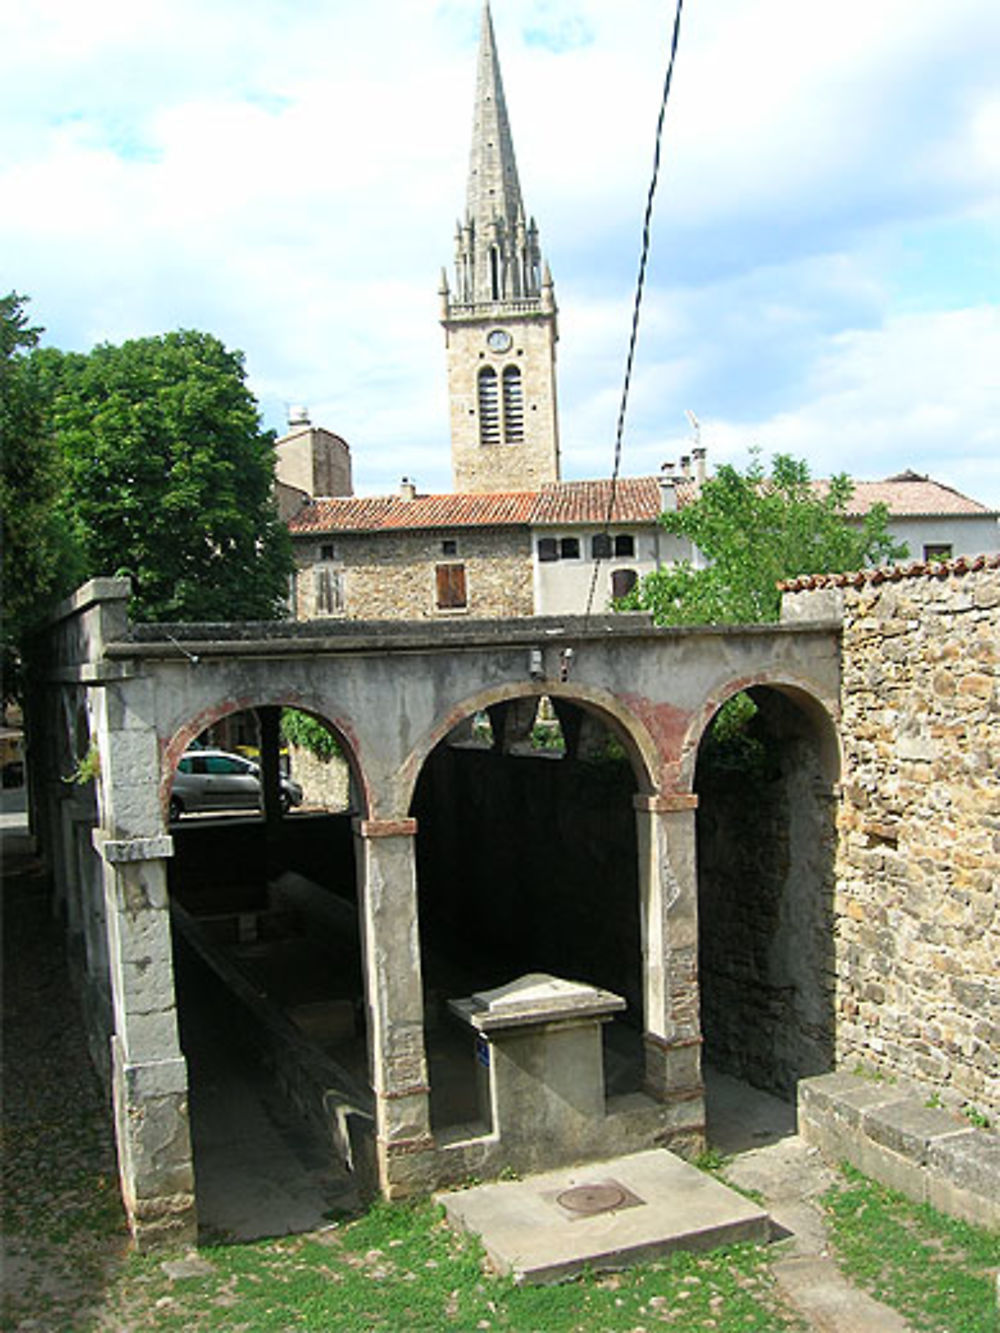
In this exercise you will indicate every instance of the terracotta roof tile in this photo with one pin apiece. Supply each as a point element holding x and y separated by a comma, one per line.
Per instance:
<point>909,495</point>
<point>391,513</point>
<point>637,499</point>
<point>931,569</point>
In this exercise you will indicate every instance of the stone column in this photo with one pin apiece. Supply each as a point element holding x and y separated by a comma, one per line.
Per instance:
<point>668,891</point>
<point>387,892</point>
<point>149,1073</point>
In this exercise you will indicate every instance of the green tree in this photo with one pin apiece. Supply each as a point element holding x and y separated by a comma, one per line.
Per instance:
<point>38,563</point>
<point>169,475</point>
<point>754,530</point>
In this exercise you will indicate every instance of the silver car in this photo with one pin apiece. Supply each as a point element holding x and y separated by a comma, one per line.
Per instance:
<point>218,780</point>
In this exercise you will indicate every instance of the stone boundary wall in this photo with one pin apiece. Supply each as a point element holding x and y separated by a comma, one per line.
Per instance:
<point>917,906</point>
<point>891,1133</point>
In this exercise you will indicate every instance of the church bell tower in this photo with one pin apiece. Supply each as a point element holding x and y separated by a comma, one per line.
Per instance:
<point>500,317</point>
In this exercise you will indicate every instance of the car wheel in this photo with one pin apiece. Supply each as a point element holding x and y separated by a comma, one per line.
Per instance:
<point>176,809</point>
<point>286,802</point>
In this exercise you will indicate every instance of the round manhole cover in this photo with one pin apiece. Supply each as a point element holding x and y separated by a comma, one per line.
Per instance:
<point>592,1198</point>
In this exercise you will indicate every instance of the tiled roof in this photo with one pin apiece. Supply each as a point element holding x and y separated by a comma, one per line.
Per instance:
<point>389,513</point>
<point>932,569</point>
<point>909,495</point>
<point>637,499</point>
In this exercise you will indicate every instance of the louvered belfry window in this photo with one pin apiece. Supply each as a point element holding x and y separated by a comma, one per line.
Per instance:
<point>489,407</point>
<point>513,406</point>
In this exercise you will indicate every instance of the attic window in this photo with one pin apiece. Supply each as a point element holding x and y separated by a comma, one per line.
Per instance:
<point>449,546</point>
<point>569,548</point>
<point>327,551</point>
<point>625,545</point>
<point>600,546</point>
<point>548,549</point>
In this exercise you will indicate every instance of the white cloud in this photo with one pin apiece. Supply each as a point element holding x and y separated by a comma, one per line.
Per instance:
<point>288,177</point>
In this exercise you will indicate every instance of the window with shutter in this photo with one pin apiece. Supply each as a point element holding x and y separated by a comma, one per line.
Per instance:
<point>451,593</point>
<point>600,546</point>
<point>548,549</point>
<point>329,591</point>
<point>489,407</point>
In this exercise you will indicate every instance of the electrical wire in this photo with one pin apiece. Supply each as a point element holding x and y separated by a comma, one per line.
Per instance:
<point>639,288</point>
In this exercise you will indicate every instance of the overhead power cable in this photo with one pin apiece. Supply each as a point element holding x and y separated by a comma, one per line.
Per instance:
<point>637,306</point>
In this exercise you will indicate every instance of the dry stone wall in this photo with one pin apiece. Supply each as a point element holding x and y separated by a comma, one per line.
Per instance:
<point>918,868</point>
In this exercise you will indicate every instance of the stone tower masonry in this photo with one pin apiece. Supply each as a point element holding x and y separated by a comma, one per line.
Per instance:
<point>500,320</point>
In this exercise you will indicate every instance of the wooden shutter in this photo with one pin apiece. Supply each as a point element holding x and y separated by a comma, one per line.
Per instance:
<point>451,593</point>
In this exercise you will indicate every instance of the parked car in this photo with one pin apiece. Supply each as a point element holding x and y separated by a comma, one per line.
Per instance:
<point>218,780</point>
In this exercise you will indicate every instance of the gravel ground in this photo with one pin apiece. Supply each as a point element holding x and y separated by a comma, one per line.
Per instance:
<point>64,1234</point>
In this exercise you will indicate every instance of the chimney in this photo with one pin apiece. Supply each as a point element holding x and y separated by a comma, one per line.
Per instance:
<point>298,416</point>
<point>685,467</point>
<point>668,489</point>
<point>699,464</point>
<point>407,489</point>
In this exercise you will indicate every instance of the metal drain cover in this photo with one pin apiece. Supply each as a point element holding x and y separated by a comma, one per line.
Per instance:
<point>593,1198</point>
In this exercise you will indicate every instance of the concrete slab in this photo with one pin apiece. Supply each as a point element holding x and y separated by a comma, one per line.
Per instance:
<point>665,1205</point>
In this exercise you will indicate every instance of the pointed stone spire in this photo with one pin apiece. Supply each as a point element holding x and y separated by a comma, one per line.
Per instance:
<point>494,190</point>
<point>498,256</point>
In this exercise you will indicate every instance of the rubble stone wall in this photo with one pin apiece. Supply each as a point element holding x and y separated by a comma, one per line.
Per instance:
<point>918,871</point>
<point>390,576</point>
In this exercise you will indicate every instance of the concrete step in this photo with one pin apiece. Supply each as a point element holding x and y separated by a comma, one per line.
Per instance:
<point>534,1230</point>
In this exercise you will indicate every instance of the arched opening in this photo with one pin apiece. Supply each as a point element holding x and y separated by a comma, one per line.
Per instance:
<point>526,863</point>
<point>268,974</point>
<point>765,778</point>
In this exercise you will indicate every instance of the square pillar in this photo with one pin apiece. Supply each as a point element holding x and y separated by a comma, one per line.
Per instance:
<point>149,1073</point>
<point>668,892</point>
<point>387,892</point>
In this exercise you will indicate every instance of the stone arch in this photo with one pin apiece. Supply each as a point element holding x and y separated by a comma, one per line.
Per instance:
<point>633,734</point>
<point>526,865</point>
<point>821,709</point>
<point>186,731</point>
<point>766,821</point>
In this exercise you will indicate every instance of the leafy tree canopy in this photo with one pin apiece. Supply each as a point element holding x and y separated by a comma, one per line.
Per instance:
<point>38,563</point>
<point>169,475</point>
<point>754,530</point>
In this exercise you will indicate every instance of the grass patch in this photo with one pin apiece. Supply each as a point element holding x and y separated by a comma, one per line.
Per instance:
<point>938,1272</point>
<point>401,1267</point>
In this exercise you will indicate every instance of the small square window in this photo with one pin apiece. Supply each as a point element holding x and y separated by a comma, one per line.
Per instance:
<point>449,546</point>
<point>600,546</point>
<point>625,545</point>
<point>937,551</point>
<point>548,549</point>
<point>327,551</point>
<point>569,548</point>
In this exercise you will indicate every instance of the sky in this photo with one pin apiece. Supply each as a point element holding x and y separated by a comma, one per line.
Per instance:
<point>824,277</point>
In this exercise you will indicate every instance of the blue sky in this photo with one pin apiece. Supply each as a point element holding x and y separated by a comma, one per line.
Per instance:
<point>825,273</point>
